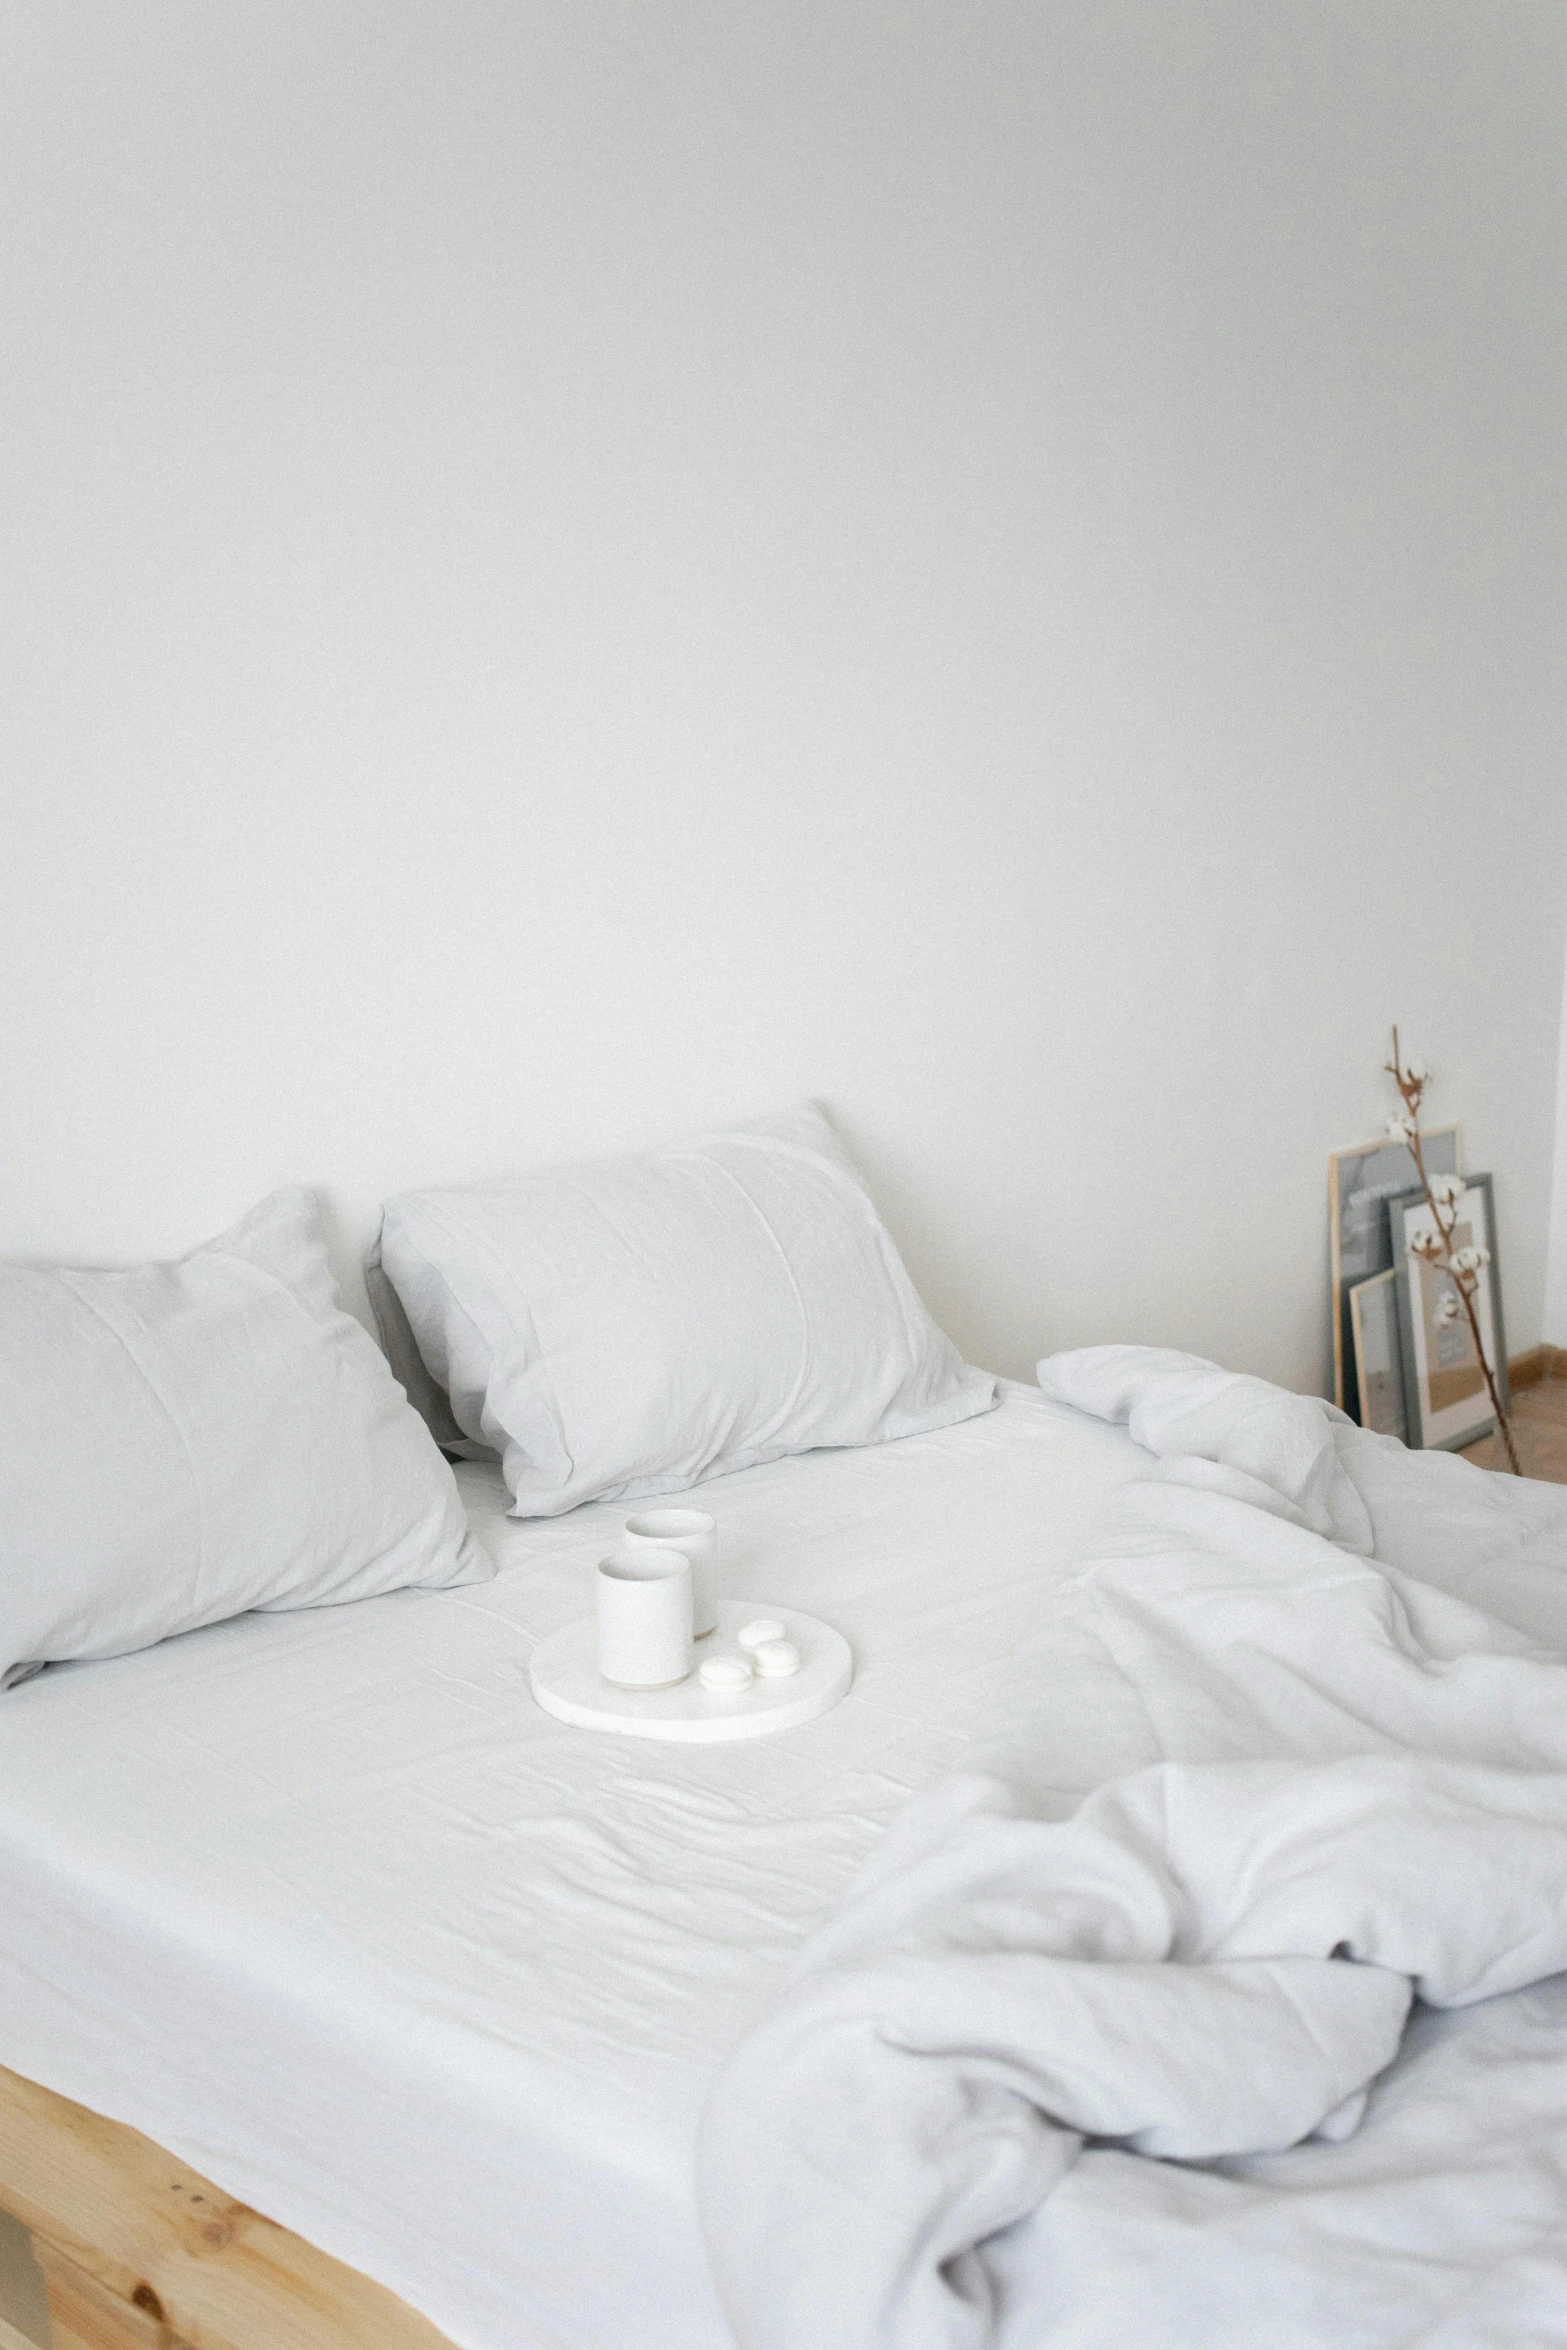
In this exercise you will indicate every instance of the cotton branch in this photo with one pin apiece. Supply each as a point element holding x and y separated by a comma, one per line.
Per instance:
<point>1463,1266</point>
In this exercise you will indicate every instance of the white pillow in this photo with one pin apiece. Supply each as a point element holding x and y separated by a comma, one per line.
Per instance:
<point>631,1326</point>
<point>185,1441</point>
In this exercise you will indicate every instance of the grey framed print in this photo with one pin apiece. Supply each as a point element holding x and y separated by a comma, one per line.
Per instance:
<point>1445,1400</point>
<point>1360,1183</point>
<point>1379,1355</point>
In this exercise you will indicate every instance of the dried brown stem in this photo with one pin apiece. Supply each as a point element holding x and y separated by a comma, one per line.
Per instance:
<point>1466,1284</point>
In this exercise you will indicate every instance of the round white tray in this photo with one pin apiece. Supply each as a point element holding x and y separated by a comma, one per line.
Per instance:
<point>564,1675</point>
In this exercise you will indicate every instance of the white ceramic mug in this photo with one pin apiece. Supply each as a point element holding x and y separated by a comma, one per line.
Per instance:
<point>643,1606</point>
<point>690,1531</point>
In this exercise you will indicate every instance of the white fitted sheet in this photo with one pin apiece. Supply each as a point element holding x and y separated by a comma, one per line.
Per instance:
<point>328,1906</point>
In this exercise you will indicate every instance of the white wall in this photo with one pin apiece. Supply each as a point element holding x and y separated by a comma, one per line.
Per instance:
<point>578,570</point>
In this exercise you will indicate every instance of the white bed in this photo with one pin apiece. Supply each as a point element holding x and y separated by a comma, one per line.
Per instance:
<point>323,1903</point>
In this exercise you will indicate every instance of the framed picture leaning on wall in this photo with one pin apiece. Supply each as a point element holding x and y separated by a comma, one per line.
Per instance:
<point>1360,1183</point>
<point>1445,1399</point>
<point>1379,1355</point>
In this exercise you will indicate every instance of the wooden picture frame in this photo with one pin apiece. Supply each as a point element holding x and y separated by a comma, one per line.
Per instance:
<point>1445,1398</point>
<point>1359,1181</point>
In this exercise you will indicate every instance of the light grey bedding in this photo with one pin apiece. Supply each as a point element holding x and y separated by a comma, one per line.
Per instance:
<point>1214,2004</point>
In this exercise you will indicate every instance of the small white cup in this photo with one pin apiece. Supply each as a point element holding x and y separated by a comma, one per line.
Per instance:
<point>690,1531</point>
<point>643,1606</point>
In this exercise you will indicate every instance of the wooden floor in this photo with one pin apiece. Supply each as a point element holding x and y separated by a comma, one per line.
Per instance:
<point>1540,1427</point>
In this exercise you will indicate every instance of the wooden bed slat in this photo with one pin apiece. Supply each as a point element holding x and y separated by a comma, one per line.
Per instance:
<point>84,2315</point>
<point>140,2253</point>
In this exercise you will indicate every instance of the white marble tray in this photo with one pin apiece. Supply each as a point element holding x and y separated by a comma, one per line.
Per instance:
<point>564,1676</point>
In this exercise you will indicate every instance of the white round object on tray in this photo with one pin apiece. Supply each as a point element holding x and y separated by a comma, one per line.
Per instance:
<point>564,1676</point>
<point>727,1673</point>
<point>759,1629</point>
<point>775,1660</point>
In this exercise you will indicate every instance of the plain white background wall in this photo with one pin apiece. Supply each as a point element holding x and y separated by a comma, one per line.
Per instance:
<point>575,571</point>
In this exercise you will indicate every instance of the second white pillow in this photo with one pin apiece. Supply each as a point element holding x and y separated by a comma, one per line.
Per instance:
<point>634,1325</point>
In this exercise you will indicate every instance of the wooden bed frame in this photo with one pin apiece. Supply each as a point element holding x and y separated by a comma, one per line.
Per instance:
<point>140,2253</point>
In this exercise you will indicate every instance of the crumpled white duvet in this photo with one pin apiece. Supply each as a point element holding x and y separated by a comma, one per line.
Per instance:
<point>1110,2048</point>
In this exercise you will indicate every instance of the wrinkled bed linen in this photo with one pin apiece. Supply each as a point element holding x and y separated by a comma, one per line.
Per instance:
<point>324,1903</point>
<point>1287,1752</point>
